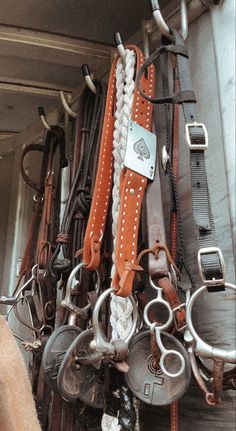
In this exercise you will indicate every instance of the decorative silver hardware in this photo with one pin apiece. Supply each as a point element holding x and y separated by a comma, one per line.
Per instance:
<point>164,158</point>
<point>140,155</point>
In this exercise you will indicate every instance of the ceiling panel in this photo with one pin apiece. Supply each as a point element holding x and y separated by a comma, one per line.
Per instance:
<point>19,111</point>
<point>41,74</point>
<point>43,45</point>
<point>90,19</point>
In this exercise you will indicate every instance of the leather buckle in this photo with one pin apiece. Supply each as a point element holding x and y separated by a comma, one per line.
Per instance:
<point>179,308</point>
<point>213,281</point>
<point>196,146</point>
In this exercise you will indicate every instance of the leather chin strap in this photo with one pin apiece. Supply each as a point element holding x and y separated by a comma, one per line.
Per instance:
<point>132,189</point>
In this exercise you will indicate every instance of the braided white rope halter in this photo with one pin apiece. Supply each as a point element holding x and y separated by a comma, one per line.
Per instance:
<point>121,308</point>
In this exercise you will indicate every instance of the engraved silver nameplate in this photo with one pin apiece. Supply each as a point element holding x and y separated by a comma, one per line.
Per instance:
<point>140,153</point>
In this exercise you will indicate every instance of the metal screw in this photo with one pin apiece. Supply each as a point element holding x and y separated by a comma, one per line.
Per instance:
<point>132,191</point>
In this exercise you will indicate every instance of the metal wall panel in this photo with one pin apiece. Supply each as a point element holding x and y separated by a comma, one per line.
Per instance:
<point>214,314</point>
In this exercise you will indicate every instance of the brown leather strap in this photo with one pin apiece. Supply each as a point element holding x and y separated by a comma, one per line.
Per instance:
<point>156,226</point>
<point>132,187</point>
<point>102,189</point>
<point>174,416</point>
<point>142,114</point>
<point>172,297</point>
<point>44,248</point>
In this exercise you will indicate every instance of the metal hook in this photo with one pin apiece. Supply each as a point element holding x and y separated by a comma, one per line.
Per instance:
<point>66,106</point>
<point>146,28</point>
<point>162,24</point>
<point>120,46</point>
<point>184,18</point>
<point>41,113</point>
<point>87,77</point>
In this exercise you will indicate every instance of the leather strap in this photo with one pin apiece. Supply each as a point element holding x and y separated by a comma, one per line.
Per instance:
<point>156,227</point>
<point>132,186</point>
<point>210,261</point>
<point>172,297</point>
<point>142,114</point>
<point>102,189</point>
<point>88,136</point>
<point>55,137</point>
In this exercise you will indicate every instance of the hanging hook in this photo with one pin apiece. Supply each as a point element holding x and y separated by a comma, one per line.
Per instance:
<point>184,18</point>
<point>163,27</point>
<point>146,28</point>
<point>41,113</point>
<point>87,77</point>
<point>66,106</point>
<point>120,46</point>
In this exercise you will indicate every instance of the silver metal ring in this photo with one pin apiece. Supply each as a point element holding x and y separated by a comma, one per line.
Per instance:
<point>70,281</point>
<point>175,353</point>
<point>201,347</point>
<point>170,311</point>
<point>99,338</point>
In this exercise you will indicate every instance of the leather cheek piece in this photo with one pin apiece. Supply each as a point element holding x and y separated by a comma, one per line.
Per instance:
<point>173,299</point>
<point>103,184</point>
<point>127,233</point>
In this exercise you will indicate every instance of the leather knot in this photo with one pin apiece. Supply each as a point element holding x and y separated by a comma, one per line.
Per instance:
<point>62,238</point>
<point>128,268</point>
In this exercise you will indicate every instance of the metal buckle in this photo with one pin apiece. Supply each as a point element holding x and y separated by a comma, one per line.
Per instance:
<point>188,138</point>
<point>213,281</point>
<point>178,308</point>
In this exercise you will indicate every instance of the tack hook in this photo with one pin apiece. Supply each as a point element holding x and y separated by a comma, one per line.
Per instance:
<point>163,27</point>
<point>66,106</point>
<point>146,32</point>
<point>87,77</point>
<point>41,113</point>
<point>119,45</point>
<point>184,18</point>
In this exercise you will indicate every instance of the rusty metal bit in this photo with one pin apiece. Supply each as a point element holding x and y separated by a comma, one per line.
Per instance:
<point>156,353</point>
<point>217,385</point>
